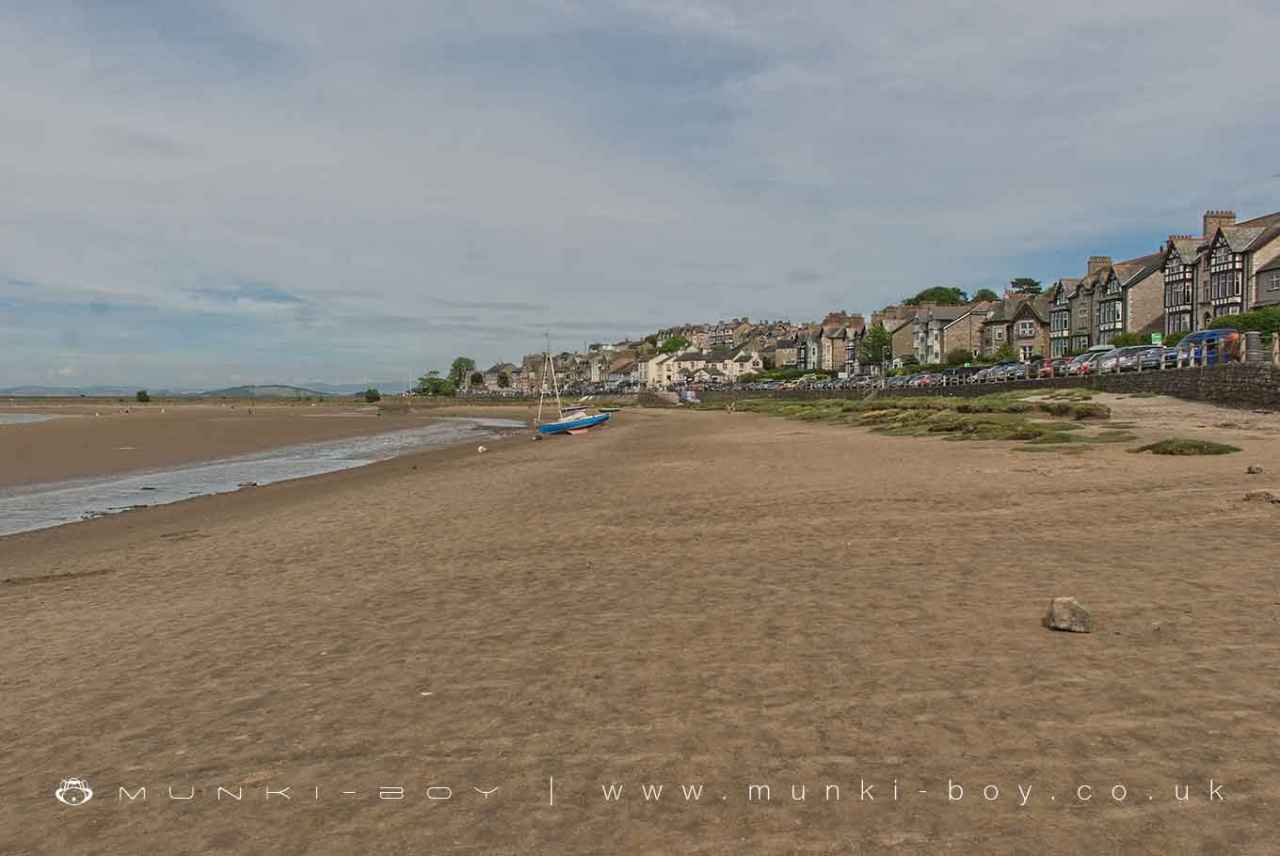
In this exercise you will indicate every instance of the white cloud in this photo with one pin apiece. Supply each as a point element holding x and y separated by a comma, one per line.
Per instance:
<point>451,178</point>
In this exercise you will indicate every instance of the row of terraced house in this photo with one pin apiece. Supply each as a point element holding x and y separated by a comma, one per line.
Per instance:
<point>1190,281</point>
<point>1231,267</point>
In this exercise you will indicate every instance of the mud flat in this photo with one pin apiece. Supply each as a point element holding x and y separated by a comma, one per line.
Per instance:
<point>684,598</point>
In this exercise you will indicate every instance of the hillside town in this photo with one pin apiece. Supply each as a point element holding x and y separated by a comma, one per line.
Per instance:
<point>1231,267</point>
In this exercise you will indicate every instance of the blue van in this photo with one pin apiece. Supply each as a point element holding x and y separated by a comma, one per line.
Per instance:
<point>1210,347</point>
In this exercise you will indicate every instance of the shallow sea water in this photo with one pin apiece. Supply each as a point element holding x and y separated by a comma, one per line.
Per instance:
<point>29,507</point>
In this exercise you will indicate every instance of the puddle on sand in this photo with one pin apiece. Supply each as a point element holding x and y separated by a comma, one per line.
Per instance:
<point>31,507</point>
<point>23,418</point>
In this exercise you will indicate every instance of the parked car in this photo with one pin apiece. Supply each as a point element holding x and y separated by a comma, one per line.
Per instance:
<point>1087,363</point>
<point>1155,357</point>
<point>1017,371</point>
<point>1053,368</point>
<point>1127,358</point>
<point>1211,347</point>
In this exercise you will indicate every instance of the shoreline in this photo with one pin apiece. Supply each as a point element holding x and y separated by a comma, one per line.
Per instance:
<point>244,504</point>
<point>129,438</point>
<point>52,505</point>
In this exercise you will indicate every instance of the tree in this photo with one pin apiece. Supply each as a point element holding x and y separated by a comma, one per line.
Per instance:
<point>959,356</point>
<point>477,379</point>
<point>432,384</point>
<point>939,294</point>
<point>143,396</point>
<point>1005,354</point>
<point>985,294</point>
<point>1173,339</point>
<point>461,367</point>
<point>876,346</point>
<point>371,395</point>
<point>1025,285</point>
<point>504,380</point>
<point>673,345</point>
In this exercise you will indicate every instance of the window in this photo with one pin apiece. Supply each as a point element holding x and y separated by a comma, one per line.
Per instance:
<point>1273,281</point>
<point>1026,352</point>
<point>1026,329</point>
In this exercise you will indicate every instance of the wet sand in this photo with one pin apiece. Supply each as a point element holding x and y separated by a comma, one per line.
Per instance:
<point>684,597</point>
<point>130,437</point>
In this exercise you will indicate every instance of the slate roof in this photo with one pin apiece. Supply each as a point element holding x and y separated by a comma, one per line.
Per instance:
<point>1274,264</point>
<point>1248,234</point>
<point>946,313</point>
<point>1135,270</point>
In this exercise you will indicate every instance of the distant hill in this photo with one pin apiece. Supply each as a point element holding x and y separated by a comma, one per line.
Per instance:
<point>95,391</point>
<point>390,387</point>
<point>264,391</point>
<point>269,390</point>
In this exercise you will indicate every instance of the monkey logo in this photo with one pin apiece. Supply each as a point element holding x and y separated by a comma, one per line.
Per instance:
<point>73,792</point>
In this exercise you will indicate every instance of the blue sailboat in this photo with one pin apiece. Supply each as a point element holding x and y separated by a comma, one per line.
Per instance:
<point>572,420</point>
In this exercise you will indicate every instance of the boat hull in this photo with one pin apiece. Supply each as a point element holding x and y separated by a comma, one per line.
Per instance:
<point>573,425</point>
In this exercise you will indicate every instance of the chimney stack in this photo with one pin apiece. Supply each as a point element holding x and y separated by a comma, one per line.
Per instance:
<point>1214,219</point>
<point>1097,263</point>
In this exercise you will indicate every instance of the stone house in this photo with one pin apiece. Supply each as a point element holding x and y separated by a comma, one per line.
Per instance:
<point>1223,272</point>
<point>965,332</point>
<point>926,331</point>
<point>901,338</point>
<point>1266,285</point>
<point>499,376</point>
<point>1119,297</point>
<point>1020,322</point>
<point>786,354</point>
<point>1183,283</point>
<point>1235,253</point>
<point>1059,300</point>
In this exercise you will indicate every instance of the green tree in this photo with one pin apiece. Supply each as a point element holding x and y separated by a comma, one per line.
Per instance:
<point>673,345</point>
<point>477,379</point>
<point>371,395</point>
<point>432,384</point>
<point>1005,354</point>
<point>959,356</point>
<point>461,367</point>
<point>985,294</point>
<point>504,380</point>
<point>939,294</point>
<point>143,396</point>
<point>1025,285</point>
<point>876,346</point>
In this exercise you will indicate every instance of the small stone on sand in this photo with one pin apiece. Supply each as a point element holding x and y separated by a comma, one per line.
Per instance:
<point>1067,613</point>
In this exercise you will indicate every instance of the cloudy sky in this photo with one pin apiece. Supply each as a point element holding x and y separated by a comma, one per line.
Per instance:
<point>199,194</point>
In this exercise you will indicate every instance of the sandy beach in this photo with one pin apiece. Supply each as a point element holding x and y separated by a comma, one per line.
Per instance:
<point>685,599</point>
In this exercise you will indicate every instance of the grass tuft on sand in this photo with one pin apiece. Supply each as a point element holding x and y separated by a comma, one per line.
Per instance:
<point>1000,416</point>
<point>1182,446</point>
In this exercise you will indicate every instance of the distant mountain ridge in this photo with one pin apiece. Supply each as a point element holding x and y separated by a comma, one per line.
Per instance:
<point>267,390</point>
<point>276,390</point>
<point>75,391</point>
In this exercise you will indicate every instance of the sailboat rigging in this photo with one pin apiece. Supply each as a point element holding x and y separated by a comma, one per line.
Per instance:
<point>571,420</point>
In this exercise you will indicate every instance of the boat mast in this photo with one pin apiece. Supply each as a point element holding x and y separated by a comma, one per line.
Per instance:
<point>555,384</point>
<point>549,368</point>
